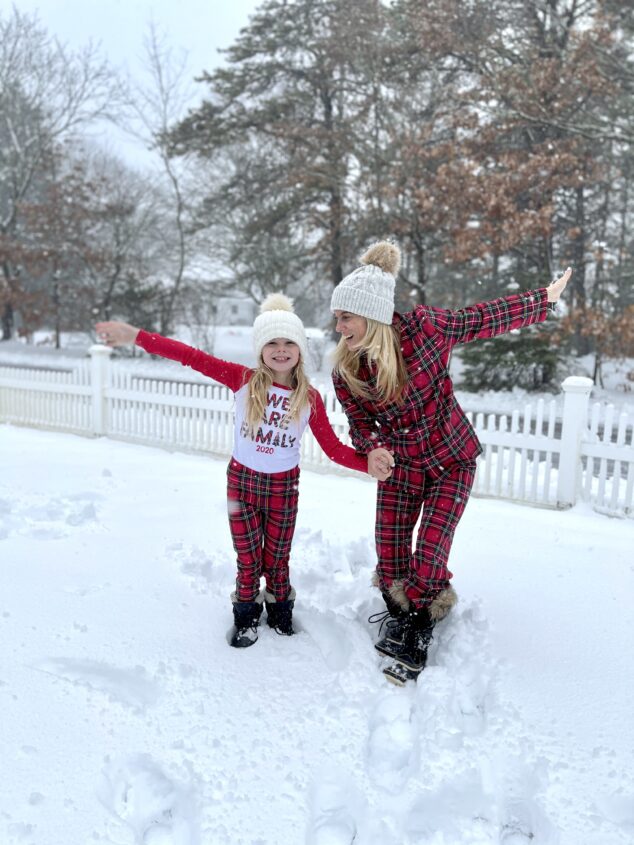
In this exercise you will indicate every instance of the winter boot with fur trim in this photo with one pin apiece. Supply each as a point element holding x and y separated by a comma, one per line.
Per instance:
<point>411,659</point>
<point>279,614</point>
<point>394,620</point>
<point>246,616</point>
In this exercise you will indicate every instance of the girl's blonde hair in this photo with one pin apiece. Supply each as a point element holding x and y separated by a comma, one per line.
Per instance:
<point>257,396</point>
<point>381,345</point>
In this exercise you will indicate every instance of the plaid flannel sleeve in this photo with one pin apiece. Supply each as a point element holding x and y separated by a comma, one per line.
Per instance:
<point>488,319</point>
<point>362,429</point>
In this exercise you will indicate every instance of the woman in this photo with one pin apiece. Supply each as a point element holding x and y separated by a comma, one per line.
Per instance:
<point>391,376</point>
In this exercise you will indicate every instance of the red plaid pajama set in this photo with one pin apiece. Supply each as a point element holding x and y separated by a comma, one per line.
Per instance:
<point>263,473</point>
<point>434,445</point>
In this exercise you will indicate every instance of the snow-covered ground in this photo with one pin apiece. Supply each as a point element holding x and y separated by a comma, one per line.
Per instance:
<point>125,717</point>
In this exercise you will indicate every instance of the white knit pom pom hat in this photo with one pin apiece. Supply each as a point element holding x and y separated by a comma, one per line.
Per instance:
<point>278,319</point>
<point>369,290</point>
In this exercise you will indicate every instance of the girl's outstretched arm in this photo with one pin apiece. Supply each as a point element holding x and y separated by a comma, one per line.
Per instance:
<point>115,333</point>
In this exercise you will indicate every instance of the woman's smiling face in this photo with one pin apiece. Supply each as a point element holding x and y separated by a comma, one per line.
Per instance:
<point>351,327</point>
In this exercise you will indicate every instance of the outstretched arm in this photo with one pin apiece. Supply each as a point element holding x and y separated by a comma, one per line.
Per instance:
<point>489,319</point>
<point>115,333</point>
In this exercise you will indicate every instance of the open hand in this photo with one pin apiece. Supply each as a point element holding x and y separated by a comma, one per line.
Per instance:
<point>114,333</point>
<point>556,289</point>
<point>380,463</point>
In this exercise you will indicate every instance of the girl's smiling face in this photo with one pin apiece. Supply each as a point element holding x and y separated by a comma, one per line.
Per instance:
<point>351,327</point>
<point>281,355</point>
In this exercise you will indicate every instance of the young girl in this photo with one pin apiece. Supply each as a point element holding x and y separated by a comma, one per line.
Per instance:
<point>391,377</point>
<point>274,404</point>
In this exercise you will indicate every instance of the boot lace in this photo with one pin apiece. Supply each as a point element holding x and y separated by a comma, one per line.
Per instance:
<point>382,618</point>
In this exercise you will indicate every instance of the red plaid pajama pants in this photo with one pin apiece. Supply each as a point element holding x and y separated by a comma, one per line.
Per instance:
<point>262,514</point>
<point>443,496</point>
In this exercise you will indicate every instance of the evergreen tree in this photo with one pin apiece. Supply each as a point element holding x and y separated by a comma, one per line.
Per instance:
<point>532,359</point>
<point>293,88</point>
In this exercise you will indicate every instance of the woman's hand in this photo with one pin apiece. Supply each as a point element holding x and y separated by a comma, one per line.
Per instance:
<point>380,463</point>
<point>556,288</point>
<point>114,333</point>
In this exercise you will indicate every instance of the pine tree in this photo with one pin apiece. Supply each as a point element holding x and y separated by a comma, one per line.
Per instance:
<point>293,95</point>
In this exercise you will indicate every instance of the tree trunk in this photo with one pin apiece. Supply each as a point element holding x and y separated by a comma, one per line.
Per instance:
<point>56,311</point>
<point>578,292</point>
<point>421,274</point>
<point>8,321</point>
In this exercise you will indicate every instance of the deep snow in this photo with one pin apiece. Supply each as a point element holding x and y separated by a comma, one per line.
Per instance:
<point>126,718</point>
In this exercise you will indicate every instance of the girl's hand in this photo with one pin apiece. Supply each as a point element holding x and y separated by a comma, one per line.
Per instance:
<point>114,333</point>
<point>556,289</point>
<point>380,463</point>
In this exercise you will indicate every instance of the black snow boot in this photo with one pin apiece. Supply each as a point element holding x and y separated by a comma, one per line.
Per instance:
<point>279,614</point>
<point>246,615</point>
<point>394,620</point>
<point>410,661</point>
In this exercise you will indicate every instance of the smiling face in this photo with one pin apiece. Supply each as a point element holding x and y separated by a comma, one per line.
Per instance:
<point>281,355</point>
<point>351,327</point>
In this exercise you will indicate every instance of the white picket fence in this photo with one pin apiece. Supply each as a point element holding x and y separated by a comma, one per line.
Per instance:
<point>532,455</point>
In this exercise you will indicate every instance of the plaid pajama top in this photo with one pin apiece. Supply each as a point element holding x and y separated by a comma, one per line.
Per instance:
<point>430,429</point>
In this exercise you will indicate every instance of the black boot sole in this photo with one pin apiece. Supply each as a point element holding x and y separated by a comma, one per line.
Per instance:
<point>399,675</point>
<point>408,664</point>
<point>241,642</point>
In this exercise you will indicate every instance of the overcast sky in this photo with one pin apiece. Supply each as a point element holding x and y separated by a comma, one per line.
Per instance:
<point>199,27</point>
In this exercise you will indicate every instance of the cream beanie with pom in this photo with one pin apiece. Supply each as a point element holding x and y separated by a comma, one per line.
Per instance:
<point>278,319</point>
<point>369,290</point>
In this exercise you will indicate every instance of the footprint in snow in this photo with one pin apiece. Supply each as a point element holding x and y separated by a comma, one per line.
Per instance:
<point>208,572</point>
<point>129,687</point>
<point>330,635</point>
<point>335,807</point>
<point>43,518</point>
<point>457,688</point>
<point>391,740</point>
<point>140,795</point>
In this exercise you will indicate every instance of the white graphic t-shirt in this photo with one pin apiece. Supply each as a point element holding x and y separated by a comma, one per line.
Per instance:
<point>274,446</point>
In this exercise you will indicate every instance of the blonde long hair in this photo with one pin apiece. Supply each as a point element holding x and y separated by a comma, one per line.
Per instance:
<point>381,345</point>
<point>261,382</point>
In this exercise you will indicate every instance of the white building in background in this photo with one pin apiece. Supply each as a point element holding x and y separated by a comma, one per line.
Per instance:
<point>234,310</point>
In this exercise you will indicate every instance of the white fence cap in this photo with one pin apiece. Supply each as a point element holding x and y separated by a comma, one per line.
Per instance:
<point>577,384</point>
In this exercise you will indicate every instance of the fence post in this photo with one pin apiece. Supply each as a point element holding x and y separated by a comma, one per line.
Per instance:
<point>574,423</point>
<point>99,381</point>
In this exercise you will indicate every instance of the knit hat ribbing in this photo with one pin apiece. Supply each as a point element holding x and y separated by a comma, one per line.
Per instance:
<point>278,319</point>
<point>369,290</point>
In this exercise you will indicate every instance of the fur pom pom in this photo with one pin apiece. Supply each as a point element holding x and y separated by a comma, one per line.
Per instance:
<point>385,255</point>
<point>276,302</point>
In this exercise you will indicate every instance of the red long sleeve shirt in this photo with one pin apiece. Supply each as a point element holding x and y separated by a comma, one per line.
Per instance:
<point>275,446</point>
